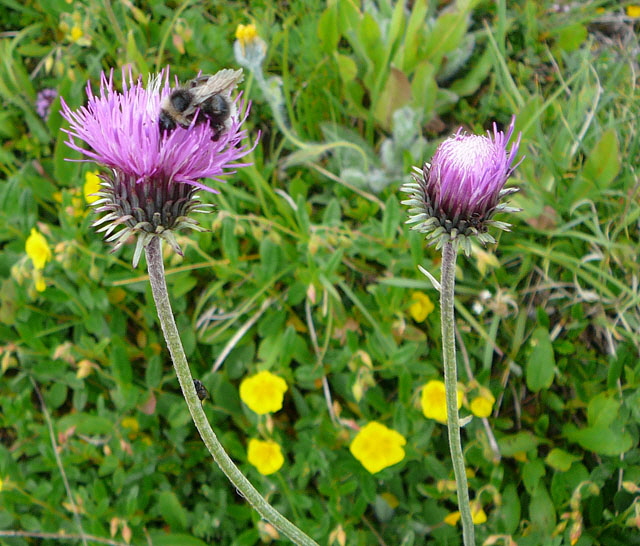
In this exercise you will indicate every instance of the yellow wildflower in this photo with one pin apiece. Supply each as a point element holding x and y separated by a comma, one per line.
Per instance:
<point>452,518</point>
<point>76,33</point>
<point>434,401</point>
<point>131,423</point>
<point>246,33</point>
<point>38,249</point>
<point>482,404</point>
<point>85,367</point>
<point>633,11</point>
<point>421,307</point>
<point>377,446</point>
<point>266,456</point>
<point>478,515</point>
<point>91,186</point>
<point>263,392</point>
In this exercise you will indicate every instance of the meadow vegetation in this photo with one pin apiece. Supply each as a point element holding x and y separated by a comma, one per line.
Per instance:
<point>308,271</point>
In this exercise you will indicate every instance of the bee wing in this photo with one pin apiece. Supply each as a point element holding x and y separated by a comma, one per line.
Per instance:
<point>222,82</point>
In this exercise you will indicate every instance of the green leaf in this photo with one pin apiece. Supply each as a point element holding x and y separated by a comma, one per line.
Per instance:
<point>408,54</point>
<point>571,37</point>
<point>517,443</point>
<point>541,364</point>
<point>120,364</point>
<point>508,514</point>
<point>172,511</point>
<point>603,163</point>
<point>424,89</point>
<point>542,513</point>
<point>598,439</point>
<point>328,30</point>
<point>602,410</point>
<point>532,474</point>
<point>559,459</point>
<point>395,94</point>
<point>90,425</point>
<point>347,68</point>
<point>391,219</point>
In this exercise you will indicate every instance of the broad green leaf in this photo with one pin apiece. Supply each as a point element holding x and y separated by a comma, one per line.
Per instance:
<point>445,36</point>
<point>603,163</point>
<point>517,443</point>
<point>602,410</point>
<point>561,460</point>
<point>571,37</point>
<point>395,94</point>
<point>601,440</point>
<point>541,364</point>
<point>328,30</point>
<point>532,473</point>
<point>171,510</point>
<point>542,513</point>
<point>508,513</point>
<point>347,68</point>
<point>90,425</point>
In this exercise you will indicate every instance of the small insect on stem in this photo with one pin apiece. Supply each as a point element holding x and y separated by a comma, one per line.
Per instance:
<point>201,390</point>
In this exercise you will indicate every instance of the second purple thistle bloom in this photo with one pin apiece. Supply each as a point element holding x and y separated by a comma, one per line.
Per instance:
<point>151,176</point>
<point>455,197</point>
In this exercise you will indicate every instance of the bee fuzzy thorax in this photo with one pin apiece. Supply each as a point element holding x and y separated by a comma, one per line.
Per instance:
<point>204,99</point>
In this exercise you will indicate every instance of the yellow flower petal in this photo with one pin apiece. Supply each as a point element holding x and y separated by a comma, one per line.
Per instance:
<point>91,186</point>
<point>633,11</point>
<point>481,406</point>
<point>37,249</point>
<point>76,33</point>
<point>246,33</point>
<point>266,456</point>
<point>377,447</point>
<point>263,392</point>
<point>38,277</point>
<point>421,307</point>
<point>132,424</point>
<point>478,515</point>
<point>434,401</point>
<point>452,519</point>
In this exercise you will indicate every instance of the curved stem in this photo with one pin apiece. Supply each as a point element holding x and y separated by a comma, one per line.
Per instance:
<point>447,293</point>
<point>155,267</point>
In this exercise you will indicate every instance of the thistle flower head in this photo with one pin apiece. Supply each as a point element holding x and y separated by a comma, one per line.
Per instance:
<point>152,176</point>
<point>455,197</point>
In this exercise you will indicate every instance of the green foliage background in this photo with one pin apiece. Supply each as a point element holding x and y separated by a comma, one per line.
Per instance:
<point>308,257</point>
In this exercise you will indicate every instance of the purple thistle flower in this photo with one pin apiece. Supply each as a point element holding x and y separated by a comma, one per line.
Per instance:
<point>456,196</point>
<point>150,188</point>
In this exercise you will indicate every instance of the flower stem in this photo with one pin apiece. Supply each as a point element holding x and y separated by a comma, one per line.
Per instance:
<point>447,293</point>
<point>155,267</point>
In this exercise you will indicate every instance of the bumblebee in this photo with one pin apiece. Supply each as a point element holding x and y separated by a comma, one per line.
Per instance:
<point>207,97</point>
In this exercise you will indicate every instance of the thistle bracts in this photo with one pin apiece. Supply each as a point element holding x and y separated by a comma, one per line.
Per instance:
<point>144,210</point>
<point>456,196</point>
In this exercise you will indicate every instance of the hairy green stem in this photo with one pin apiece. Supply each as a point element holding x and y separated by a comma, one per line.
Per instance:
<point>155,267</point>
<point>447,294</point>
